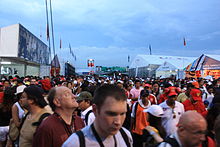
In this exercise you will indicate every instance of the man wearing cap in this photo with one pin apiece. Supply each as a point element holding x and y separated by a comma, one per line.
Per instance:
<point>85,104</point>
<point>138,118</point>
<point>172,111</point>
<point>195,102</point>
<point>55,130</point>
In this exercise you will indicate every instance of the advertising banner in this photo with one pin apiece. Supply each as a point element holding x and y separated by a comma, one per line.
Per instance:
<point>31,48</point>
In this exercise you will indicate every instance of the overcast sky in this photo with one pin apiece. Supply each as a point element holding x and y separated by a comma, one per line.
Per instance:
<point>110,30</point>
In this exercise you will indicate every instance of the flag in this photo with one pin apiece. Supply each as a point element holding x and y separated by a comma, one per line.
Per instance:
<point>60,43</point>
<point>128,58</point>
<point>150,49</point>
<point>48,32</point>
<point>184,41</point>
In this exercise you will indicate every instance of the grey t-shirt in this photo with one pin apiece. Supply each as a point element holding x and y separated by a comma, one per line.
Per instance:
<point>90,140</point>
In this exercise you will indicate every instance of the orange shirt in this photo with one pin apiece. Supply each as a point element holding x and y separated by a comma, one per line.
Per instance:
<point>141,120</point>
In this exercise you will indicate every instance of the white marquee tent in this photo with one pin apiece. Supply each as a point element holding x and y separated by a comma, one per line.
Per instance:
<point>158,65</point>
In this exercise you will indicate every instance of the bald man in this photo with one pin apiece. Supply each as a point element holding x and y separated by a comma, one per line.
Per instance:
<point>54,131</point>
<point>190,133</point>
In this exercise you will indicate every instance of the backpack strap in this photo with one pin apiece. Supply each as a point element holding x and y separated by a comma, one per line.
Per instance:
<point>87,116</point>
<point>81,138</point>
<point>125,137</point>
<point>172,142</point>
<point>23,119</point>
<point>135,110</point>
<point>42,117</point>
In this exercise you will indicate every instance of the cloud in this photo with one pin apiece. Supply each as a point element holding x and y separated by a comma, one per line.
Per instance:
<point>109,30</point>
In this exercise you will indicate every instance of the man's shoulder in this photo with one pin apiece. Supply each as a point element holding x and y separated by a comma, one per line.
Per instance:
<point>73,140</point>
<point>49,122</point>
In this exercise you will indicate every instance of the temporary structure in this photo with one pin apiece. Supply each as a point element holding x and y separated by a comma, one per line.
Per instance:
<point>203,66</point>
<point>158,65</point>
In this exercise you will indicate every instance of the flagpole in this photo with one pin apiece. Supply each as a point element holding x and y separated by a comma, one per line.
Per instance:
<point>48,36</point>
<point>51,18</point>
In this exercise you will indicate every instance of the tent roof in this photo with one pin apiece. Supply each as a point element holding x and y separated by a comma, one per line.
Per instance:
<point>145,60</point>
<point>205,61</point>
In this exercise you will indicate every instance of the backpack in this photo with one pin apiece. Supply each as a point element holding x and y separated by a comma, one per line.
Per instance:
<point>82,138</point>
<point>87,116</point>
<point>14,131</point>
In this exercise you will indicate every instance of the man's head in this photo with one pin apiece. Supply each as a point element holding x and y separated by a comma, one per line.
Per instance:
<point>109,108</point>
<point>172,95</point>
<point>62,98</point>
<point>33,95</point>
<point>195,95</point>
<point>144,95</point>
<point>84,100</point>
<point>191,129</point>
<point>33,81</point>
<point>137,84</point>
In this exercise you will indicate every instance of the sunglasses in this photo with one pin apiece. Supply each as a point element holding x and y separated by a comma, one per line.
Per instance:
<point>174,114</point>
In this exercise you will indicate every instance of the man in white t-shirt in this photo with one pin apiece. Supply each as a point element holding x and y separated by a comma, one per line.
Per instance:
<point>172,112</point>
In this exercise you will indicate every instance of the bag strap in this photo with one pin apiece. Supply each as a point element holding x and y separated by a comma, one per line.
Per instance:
<point>87,116</point>
<point>125,137</point>
<point>23,119</point>
<point>42,117</point>
<point>135,111</point>
<point>81,138</point>
<point>172,141</point>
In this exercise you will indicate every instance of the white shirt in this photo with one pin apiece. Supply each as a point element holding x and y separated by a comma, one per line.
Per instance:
<point>171,116</point>
<point>90,140</point>
<point>142,105</point>
<point>91,116</point>
<point>209,97</point>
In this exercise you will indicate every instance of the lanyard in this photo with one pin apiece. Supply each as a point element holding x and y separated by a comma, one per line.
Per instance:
<point>69,129</point>
<point>99,139</point>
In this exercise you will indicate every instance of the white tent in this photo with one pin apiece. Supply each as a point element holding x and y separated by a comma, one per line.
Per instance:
<point>149,65</point>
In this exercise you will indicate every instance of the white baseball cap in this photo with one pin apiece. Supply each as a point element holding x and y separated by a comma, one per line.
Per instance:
<point>155,110</point>
<point>20,89</point>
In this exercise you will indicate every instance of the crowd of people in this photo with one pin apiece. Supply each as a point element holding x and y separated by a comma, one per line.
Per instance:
<point>80,111</point>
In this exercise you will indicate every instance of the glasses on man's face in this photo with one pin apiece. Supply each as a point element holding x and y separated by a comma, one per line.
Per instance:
<point>201,132</point>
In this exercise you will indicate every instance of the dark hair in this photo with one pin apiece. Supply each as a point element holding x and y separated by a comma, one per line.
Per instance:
<point>144,93</point>
<point>136,81</point>
<point>107,90</point>
<point>157,123</point>
<point>35,93</point>
<point>8,99</point>
<point>51,97</point>
<point>212,114</point>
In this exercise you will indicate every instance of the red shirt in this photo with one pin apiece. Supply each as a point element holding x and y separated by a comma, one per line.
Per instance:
<point>162,98</point>
<point>1,97</point>
<point>198,106</point>
<point>53,133</point>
